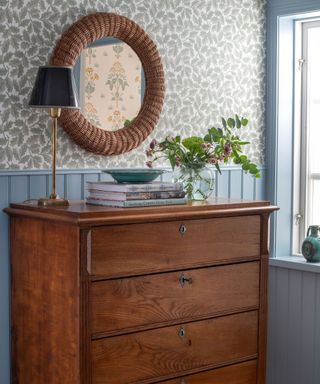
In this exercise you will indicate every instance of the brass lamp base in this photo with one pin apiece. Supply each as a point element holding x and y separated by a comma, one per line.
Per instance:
<point>48,202</point>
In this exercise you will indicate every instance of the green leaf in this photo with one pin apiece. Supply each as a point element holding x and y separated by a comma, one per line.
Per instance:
<point>231,123</point>
<point>172,160</point>
<point>245,167</point>
<point>244,121</point>
<point>178,139</point>
<point>212,131</point>
<point>235,152</point>
<point>224,123</point>
<point>253,168</point>
<point>218,168</point>
<point>215,134</point>
<point>238,122</point>
<point>254,171</point>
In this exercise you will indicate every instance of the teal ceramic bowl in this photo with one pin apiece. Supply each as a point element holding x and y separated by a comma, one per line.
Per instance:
<point>134,175</point>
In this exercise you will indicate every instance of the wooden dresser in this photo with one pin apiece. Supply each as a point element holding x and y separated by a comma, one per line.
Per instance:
<point>174,295</point>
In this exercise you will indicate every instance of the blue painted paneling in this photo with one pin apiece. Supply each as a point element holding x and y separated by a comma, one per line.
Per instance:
<point>235,187</point>
<point>294,300</point>
<point>105,177</point>
<point>248,187</point>
<point>90,177</point>
<point>17,186</point>
<point>289,7</point>
<point>60,185</point>
<point>293,334</point>
<point>260,186</point>
<point>223,183</point>
<point>281,333</point>
<point>316,334</point>
<point>38,186</point>
<point>308,327</point>
<point>74,187</point>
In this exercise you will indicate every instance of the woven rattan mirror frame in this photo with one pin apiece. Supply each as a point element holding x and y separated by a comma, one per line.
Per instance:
<point>82,33</point>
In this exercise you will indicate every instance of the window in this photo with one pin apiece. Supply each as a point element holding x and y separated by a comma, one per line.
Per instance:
<point>306,193</point>
<point>287,21</point>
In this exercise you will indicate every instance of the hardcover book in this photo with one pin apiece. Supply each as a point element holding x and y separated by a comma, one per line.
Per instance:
<point>134,187</point>
<point>125,196</point>
<point>136,203</point>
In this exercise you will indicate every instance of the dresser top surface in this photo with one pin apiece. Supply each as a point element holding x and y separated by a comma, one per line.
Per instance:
<point>81,213</point>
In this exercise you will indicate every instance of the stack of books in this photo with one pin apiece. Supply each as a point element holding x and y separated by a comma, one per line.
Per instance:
<point>113,194</point>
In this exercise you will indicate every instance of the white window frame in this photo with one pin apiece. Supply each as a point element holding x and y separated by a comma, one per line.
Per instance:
<point>280,119</point>
<point>302,186</point>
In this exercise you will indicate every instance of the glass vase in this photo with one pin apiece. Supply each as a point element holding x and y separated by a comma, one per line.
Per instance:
<point>198,182</point>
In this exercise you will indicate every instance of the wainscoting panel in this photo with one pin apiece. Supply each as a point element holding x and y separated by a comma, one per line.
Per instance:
<point>294,327</point>
<point>18,186</point>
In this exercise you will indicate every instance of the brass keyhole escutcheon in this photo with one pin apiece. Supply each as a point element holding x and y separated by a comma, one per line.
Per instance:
<point>185,280</point>
<point>183,229</point>
<point>182,332</point>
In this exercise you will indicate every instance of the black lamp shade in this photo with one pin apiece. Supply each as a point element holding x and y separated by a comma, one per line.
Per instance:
<point>54,88</point>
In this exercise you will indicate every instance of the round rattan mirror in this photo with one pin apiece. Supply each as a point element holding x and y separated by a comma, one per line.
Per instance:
<point>68,49</point>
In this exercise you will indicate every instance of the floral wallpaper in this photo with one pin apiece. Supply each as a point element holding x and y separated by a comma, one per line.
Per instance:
<point>111,89</point>
<point>213,54</point>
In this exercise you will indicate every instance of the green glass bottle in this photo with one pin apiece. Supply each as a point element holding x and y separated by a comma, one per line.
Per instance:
<point>311,244</point>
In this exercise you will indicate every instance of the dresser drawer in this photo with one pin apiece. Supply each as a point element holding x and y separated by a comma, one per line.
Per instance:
<point>139,301</point>
<point>162,352</point>
<point>132,249</point>
<point>243,373</point>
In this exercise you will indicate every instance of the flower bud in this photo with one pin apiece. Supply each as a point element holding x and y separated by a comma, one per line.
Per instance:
<point>153,144</point>
<point>149,164</point>
<point>227,150</point>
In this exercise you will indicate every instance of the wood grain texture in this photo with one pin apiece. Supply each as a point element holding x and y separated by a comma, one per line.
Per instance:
<point>159,353</point>
<point>261,379</point>
<point>243,373</point>
<point>137,312</point>
<point>45,303</point>
<point>121,304</point>
<point>85,334</point>
<point>140,248</point>
<point>84,215</point>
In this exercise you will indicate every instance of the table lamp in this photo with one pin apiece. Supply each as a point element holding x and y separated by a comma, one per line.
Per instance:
<point>54,89</point>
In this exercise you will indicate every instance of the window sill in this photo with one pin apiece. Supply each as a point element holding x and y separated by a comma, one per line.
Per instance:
<point>294,262</point>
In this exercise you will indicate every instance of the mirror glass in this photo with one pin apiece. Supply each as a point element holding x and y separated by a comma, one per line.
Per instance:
<point>111,83</point>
